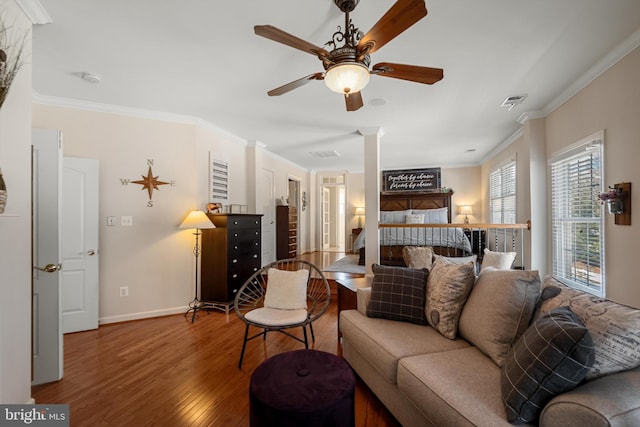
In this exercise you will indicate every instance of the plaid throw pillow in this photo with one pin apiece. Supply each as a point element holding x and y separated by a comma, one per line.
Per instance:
<point>552,356</point>
<point>398,293</point>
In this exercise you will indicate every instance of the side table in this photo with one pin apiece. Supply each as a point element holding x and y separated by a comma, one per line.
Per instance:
<point>347,294</point>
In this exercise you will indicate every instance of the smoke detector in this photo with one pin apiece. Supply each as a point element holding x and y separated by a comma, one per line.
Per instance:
<point>91,77</point>
<point>512,101</point>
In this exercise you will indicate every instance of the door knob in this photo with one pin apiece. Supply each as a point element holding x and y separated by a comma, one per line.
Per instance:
<point>91,252</point>
<point>49,268</point>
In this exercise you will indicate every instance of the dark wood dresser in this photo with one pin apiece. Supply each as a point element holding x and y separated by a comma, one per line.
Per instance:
<point>231,253</point>
<point>286,232</point>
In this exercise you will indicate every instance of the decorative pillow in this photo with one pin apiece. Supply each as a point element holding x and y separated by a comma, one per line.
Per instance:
<point>414,219</point>
<point>463,260</point>
<point>418,257</point>
<point>499,260</point>
<point>286,290</point>
<point>499,310</point>
<point>615,328</point>
<point>397,293</point>
<point>551,357</point>
<point>433,216</point>
<point>448,287</point>
<point>393,217</point>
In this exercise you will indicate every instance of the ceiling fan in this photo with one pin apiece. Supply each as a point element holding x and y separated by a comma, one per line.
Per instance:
<point>347,67</point>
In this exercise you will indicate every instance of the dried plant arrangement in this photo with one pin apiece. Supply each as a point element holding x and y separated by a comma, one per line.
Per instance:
<point>10,59</point>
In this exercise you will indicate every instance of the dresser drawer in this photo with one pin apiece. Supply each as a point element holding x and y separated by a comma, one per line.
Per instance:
<point>243,235</point>
<point>236,223</point>
<point>244,248</point>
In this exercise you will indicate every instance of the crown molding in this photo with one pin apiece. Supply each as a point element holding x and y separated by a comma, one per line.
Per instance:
<point>34,10</point>
<point>95,107</point>
<point>507,142</point>
<point>600,67</point>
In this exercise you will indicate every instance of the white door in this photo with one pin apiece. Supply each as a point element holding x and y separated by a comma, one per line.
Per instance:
<point>268,219</point>
<point>80,245</point>
<point>47,192</point>
<point>326,218</point>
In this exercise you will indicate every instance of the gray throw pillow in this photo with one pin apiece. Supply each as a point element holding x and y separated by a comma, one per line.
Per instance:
<point>499,310</point>
<point>552,356</point>
<point>398,293</point>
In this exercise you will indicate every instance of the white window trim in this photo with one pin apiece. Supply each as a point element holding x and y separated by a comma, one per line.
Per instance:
<point>496,168</point>
<point>593,141</point>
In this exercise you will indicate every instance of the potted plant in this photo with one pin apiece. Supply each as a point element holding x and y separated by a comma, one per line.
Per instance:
<point>10,59</point>
<point>612,199</point>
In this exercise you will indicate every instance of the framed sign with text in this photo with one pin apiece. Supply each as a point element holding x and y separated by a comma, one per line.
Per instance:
<point>411,180</point>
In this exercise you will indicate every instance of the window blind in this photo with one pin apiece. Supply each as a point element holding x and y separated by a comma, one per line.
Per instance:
<point>577,237</point>
<point>502,194</point>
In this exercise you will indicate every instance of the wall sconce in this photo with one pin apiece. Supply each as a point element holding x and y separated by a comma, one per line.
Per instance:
<point>359,212</point>
<point>466,211</point>
<point>618,200</point>
<point>304,200</point>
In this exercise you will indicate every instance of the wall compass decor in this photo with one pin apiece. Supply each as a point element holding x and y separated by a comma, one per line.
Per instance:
<point>148,182</point>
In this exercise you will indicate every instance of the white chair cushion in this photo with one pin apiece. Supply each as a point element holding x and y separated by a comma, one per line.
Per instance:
<point>286,290</point>
<point>276,317</point>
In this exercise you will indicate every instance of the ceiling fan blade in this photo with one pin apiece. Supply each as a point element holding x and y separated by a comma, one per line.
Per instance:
<point>353,101</point>
<point>402,15</point>
<point>414,73</point>
<point>295,84</point>
<point>272,33</point>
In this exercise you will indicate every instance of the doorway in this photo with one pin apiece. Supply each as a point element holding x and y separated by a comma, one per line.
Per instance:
<point>333,213</point>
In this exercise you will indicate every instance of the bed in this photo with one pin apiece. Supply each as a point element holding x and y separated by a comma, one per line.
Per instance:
<point>433,209</point>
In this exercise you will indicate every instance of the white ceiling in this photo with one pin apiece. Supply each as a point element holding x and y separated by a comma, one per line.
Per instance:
<point>200,58</point>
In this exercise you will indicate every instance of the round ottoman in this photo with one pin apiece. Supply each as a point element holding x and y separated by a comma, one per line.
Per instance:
<point>302,388</point>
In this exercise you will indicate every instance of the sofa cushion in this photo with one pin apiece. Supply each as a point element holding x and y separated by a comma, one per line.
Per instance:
<point>398,293</point>
<point>418,257</point>
<point>499,310</point>
<point>384,342</point>
<point>551,357</point>
<point>455,388</point>
<point>615,328</point>
<point>448,287</point>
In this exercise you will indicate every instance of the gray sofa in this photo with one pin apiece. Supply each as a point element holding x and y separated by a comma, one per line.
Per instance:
<point>426,379</point>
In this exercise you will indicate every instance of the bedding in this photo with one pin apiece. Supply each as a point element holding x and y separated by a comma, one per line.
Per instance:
<point>416,236</point>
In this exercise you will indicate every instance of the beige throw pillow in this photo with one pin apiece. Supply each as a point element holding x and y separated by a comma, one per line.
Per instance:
<point>448,286</point>
<point>615,328</point>
<point>286,290</point>
<point>499,310</point>
<point>418,257</point>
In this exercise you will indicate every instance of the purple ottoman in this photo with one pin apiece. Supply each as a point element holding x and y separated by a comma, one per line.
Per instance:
<point>302,388</point>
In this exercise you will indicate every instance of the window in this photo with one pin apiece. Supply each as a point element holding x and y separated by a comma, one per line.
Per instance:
<point>577,224</point>
<point>502,194</point>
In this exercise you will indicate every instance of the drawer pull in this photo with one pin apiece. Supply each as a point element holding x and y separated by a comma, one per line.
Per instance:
<point>255,255</point>
<point>235,276</point>
<point>235,234</point>
<point>235,222</point>
<point>235,261</point>
<point>235,247</point>
<point>255,268</point>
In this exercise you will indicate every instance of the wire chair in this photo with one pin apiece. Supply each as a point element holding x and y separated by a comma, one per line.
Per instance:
<point>251,297</point>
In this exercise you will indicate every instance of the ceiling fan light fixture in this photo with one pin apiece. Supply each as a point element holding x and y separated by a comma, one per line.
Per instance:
<point>346,78</point>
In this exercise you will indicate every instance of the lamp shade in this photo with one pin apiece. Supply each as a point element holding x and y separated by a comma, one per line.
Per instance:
<point>197,219</point>
<point>347,78</point>
<point>466,210</point>
<point>359,211</point>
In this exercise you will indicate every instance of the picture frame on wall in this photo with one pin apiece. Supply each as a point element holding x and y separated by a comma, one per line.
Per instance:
<point>411,180</point>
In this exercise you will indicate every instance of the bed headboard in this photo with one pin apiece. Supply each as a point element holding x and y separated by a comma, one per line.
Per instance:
<point>403,201</point>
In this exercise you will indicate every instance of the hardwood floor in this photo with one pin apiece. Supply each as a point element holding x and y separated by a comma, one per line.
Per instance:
<point>169,372</point>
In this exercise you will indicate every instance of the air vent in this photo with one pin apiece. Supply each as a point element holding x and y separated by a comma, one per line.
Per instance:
<point>512,101</point>
<point>324,154</point>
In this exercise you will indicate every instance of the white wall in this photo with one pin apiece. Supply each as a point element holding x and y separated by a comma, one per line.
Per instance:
<point>15,225</point>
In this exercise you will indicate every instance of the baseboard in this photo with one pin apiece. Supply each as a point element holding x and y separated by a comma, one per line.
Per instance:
<point>142,315</point>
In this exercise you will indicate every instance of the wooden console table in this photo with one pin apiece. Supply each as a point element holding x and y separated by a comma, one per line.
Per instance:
<point>347,294</point>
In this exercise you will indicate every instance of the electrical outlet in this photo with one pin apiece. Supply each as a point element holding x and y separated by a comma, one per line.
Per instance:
<point>126,221</point>
<point>124,291</point>
<point>111,221</point>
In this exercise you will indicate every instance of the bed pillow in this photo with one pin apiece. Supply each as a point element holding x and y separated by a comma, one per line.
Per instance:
<point>499,310</point>
<point>551,357</point>
<point>398,293</point>
<point>393,217</point>
<point>499,260</point>
<point>448,287</point>
<point>418,257</point>
<point>414,219</point>
<point>433,216</point>
<point>615,328</point>
<point>286,290</point>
